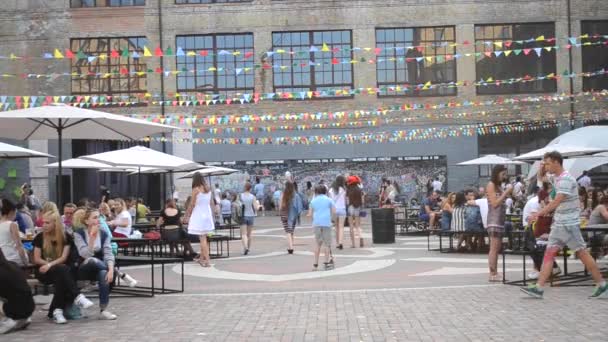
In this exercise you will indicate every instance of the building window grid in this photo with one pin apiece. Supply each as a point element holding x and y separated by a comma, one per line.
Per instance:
<point>435,42</point>
<point>106,3</point>
<point>323,75</point>
<point>593,56</point>
<point>197,78</point>
<point>117,83</point>
<point>546,64</point>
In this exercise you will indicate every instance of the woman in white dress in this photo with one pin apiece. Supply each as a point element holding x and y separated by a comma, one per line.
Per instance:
<point>338,194</point>
<point>199,215</point>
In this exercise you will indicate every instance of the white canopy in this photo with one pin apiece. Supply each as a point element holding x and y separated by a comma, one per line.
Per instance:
<point>491,159</point>
<point>579,142</point>
<point>12,151</point>
<point>78,164</point>
<point>212,171</point>
<point>75,123</point>
<point>576,166</point>
<point>141,157</point>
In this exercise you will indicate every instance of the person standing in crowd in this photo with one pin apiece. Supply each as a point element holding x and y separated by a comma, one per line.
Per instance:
<point>584,180</point>
<point>310,192</point>
<point>354,196</point>
<point>10,241</point>
<point>428,211</point>
<point>104,194</point>
<point>51,253</point>
<point>518,189</point>
<point>94,247</point>
<point>249,212</point>
<point>200,214</point>
<point>217,199</point>
<point>447,208</point>
<point>226,209</point>
<point>17,300</point>
<point>473,220</point>
<point>322,208</point>
<point>289,210</point>
<point>123,222</point>
<point>496,216</point>
<point>258,190</point>
<point>276,198</point>
<point>337,193</point>
<point>437,185</point>
<point>565,229</point>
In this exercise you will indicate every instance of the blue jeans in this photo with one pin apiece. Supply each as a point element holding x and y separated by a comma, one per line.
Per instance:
<point>95,269</point>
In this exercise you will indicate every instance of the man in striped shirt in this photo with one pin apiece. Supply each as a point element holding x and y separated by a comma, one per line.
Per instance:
<point>565,229</point>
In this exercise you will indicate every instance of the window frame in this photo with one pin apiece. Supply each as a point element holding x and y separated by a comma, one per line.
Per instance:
<point>211,2</point>
<point>215,90</point>
<point>312,85</point>
<point>109,63</point>
<point>585,49</point>
<point>554,88</point>
<point>416,94</point>
<point>105,3</point>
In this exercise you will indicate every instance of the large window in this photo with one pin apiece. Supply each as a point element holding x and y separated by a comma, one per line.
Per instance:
<point>522,61</point>
<point>595,56</point>
<point>179,2</point>
<point>109,75</point>
<point>429,59</point>
<point>221,63</point>
<point>304,66</point>
<point>106,3</point>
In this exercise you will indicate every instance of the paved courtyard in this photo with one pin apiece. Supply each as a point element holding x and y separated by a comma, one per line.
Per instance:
<point>396,292</point>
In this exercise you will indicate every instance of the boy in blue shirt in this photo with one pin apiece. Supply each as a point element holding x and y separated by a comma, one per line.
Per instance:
<point>322,208</point>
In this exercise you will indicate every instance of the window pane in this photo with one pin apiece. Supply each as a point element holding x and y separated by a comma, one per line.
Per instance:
<point>522,62</point>
<point>400,70</point>
<point>594,56</point>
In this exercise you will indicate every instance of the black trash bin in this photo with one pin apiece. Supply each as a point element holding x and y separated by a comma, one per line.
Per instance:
<point>383,225</point>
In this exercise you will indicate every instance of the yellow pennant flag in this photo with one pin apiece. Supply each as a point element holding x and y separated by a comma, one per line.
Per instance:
<point>429,59</point>
<point>507,52</point>
<point>147,52</point>
<point>190,53</point>
<point>55,99</point>
<point>498,44</point>
<point>103,56</point>
<point>540,38</point>
<point>325,48</point>
<point>490,79</point>
<point>13,56</point>
<point>58,54</point>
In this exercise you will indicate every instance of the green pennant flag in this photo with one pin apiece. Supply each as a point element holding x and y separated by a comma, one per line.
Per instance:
<point>168,52</point>
<point>81,55</point>
<point>17,192</point>
<point>517,52</point>
<point>2,183</point>
<point>363,60</point>
<point>124,53</point>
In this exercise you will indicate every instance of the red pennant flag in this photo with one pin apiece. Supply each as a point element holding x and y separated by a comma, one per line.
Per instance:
<point>228,101</point>
<point>248,54</point>
<point>159,70</point>
<point>527,51</point>
<point>508,43</point>
<point>488,53</point>
<point>334,61</point>
<point>114,54</point>
<point>466,42</point>
<point>69,53</point>
<point>124,71</point>
<point>158,52</point>
<point>419,48</point>
<point>377,51</point>
<point>266,66</point>
<point>205,53</point>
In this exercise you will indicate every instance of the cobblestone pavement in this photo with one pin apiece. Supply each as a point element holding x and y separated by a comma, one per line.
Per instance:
<point>396,292</point>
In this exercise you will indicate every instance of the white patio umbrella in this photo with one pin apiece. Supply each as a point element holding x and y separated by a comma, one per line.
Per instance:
<point>580,142</point>
<point>8,151</point>
<point>576,166</point>
<point>62,121</point>
<point>77,163</point>
<point>211,171</point>
<point>491,159</point>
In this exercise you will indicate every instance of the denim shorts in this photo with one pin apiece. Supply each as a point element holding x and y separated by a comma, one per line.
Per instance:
<point>341,212</point>
<point>566,235</point>
<point>323,235</point>
<point>354,212</point>
<point>248,220</point>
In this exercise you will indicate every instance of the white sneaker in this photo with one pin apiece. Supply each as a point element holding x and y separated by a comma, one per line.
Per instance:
<point>533,275</point>
<point>83,302</point>
<point>107,315</point>
<point>129,280</point>
<point>7,325</point>
<point>58,317</point>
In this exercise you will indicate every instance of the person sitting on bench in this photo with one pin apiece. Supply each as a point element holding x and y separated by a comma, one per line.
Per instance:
<point>428,209</point>
<point>16,296</point>
<point>51,254</point>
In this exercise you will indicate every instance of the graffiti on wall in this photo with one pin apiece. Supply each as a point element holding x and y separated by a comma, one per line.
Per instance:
<point>412,176</point>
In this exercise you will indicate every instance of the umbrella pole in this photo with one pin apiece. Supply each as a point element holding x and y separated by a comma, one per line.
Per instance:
<point>137,192</point>
<point>60,179</point>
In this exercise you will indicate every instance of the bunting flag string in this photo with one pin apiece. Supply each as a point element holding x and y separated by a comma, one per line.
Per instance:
<point>504,114</point>
<point>145,53</point>
<point>95,101</point>
<point>379,137</point>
